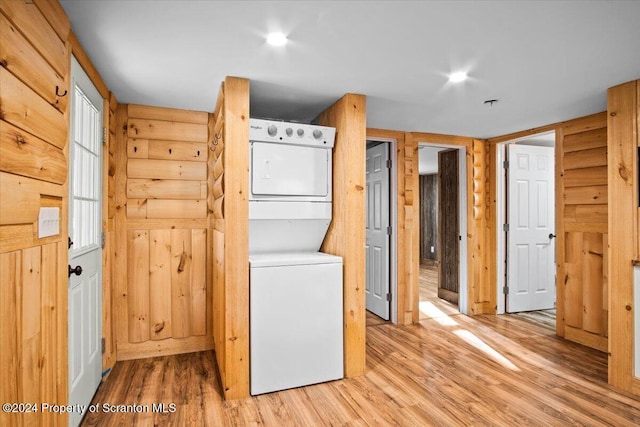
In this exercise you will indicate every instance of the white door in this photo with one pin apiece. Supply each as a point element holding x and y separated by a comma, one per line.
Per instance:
<point>377,225</point>
<point>531,229</point>
<point>85,254</point>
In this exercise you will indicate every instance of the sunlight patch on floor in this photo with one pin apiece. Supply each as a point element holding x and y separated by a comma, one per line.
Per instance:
<point>432,312</point>
<point>473,340</point>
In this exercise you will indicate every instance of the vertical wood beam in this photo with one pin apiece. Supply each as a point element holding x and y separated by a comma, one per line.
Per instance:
<point>622,146</point>
<point>346,234</point>
<point>560,236</point>
<point>236,237</point>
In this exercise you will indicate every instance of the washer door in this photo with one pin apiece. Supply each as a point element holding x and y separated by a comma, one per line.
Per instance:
<point>289,170</point>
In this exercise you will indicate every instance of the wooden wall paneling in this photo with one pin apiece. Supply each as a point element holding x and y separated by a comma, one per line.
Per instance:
<point>138,285</point>
<point>165,189</point>
<point>586,158</point>
<point>163,185</point>
<point>587,176</point>
<point>236,246</point>
<point>181,264</point>
<point>160,300</point>
<point>166,169</point>
<point>56,16</point>
<point>120,310</point>
<point>29,297</point>
<point>198,290</point>
<point>582,215</point>
<point>346,234</point>
<point>137,148</point>
<point>24,108</point>
<point>20,200</point>
<point>622,143</point>
<point>178,150</point>
<point>49,328</point>
<point>593,283</point>
<point>108,355</point>
<point>573,280</point>
<point>136,208</point>
<point>412,226</point>
<point>561,237</point>
<point>37,30</point>
<point>10,277</point>
<point>23,60</point>
<point>586,140</point>
<point>209,229</point>
<point>217,236</point>
<point>166,208</point>
<point>167,114</point>
<point>24,154</point>
<point>167,130</point>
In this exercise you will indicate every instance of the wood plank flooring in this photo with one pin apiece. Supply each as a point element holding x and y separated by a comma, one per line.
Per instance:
<point>448,370</point>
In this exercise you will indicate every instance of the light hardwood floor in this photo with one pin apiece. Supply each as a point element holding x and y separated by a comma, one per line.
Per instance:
<point>448,370</point>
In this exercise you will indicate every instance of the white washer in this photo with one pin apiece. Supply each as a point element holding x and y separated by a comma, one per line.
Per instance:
<point>296,320</point>
<point>296,309</point>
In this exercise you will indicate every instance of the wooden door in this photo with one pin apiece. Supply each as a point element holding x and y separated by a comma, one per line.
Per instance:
<point>429,217</point>
<point>377,226</point>
<point>448,226</point>
<point>530,238</point>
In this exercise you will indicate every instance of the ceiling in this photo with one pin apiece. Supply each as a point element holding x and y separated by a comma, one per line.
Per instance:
<point>544,61</point>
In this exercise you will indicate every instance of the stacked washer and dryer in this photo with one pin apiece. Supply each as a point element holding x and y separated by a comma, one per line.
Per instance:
<point>296,320</point>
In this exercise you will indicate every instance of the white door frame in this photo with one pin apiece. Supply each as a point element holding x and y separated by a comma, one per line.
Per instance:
<point>393,222</point>
<point>501,205</point>
<point>462,215</point>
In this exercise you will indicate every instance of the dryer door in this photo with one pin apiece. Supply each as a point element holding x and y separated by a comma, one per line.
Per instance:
<point>289,170</point>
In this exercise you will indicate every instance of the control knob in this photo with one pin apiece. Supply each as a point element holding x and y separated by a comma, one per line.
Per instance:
<point>300,132</point>
<point>272,130</point>
<point>289,131</point>
<point>317,134</point>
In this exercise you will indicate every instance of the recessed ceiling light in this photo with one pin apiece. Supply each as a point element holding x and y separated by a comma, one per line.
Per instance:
<point>276,39</point>
<point>458,77</point>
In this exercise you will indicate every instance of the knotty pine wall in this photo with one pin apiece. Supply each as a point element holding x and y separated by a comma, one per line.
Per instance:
<point>162,294</point>
<point>34,60</point>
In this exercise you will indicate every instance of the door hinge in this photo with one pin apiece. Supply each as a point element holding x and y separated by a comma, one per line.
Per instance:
<point>103,240</point>
<point>103,344</point>
<point>389,230</point>
<point>505,164</point>
<point>505,227</point>
<point>505,290</point>
<point>388,296</point>
<point>104,135</point>
<point>388,163</point>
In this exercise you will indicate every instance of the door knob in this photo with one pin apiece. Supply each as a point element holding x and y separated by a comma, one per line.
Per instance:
<point>70,243</point>
<point>77,271</point>
<point>551,236</point>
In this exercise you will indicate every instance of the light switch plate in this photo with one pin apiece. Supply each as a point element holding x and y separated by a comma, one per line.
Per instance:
<point>48,222</point>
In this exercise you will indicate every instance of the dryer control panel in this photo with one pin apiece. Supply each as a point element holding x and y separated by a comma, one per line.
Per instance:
<point>291,133</point>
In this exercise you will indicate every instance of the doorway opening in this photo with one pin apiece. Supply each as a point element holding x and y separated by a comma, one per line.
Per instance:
<point>525,218</point>
<point>443,222</point>
<point>380,224</point>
